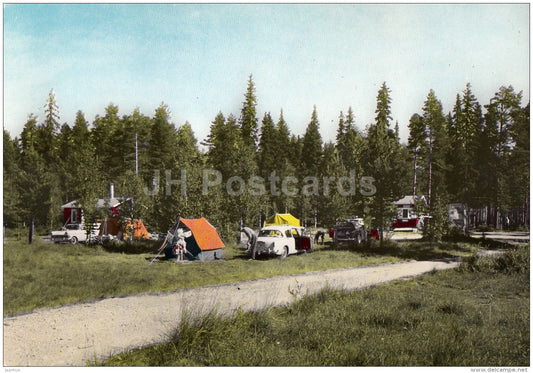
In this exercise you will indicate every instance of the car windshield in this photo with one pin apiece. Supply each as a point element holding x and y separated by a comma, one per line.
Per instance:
<point>270,233</point>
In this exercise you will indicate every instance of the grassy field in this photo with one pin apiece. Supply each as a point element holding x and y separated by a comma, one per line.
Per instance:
<point>44,275</point>
<point>476,315</point>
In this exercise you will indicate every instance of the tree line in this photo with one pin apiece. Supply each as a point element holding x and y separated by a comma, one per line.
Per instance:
<point>257,167</point>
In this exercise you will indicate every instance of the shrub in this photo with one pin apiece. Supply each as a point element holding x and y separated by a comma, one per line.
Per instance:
<point>454,234</point>
<point>514,260</point>
<point>386,247</point>
<point>132,247</point>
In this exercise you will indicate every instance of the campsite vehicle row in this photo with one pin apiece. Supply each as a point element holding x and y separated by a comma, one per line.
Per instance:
<point>186,240</point>
<point>407,219</point>
<point>194,239</point>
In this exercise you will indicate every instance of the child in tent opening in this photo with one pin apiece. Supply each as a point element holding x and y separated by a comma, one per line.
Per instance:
<point>180,248</point>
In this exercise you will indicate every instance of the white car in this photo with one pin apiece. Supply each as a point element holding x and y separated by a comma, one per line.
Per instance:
<point>73,233</point>
<point>281,240</point>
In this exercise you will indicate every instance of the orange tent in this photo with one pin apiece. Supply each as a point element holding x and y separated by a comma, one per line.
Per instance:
<point>110,226</point>
<point>202,240</point>
<point>139,230</point>
<point>204,233</point>
<point>204,243</point>
<point>113,227</point>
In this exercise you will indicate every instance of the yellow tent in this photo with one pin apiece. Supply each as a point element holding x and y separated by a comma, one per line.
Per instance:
<point>282,219</point>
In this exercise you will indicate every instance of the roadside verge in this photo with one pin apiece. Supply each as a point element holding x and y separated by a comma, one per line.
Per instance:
<point>75,334</point>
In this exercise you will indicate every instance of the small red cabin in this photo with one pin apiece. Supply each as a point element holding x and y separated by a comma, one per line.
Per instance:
<point>73,212</point>
<point>407,217</point>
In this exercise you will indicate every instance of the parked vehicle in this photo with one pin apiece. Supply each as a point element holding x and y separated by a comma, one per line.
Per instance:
<point>350,230</point>
<point>282,240</point>
<point>73,233</point>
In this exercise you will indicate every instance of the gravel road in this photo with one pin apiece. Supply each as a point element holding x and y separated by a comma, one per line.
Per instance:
<point>74,334</point>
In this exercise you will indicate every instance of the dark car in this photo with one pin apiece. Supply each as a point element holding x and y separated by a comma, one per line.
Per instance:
<point>350,230</point>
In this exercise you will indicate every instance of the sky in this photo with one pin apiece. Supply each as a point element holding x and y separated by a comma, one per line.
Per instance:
<point>197,58</point>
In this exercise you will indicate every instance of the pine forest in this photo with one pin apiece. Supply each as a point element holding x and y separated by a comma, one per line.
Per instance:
<point>252,166</point>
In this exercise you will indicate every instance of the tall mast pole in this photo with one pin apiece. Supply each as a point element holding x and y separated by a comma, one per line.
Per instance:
<point>415,151</point>
<point>136,155</point>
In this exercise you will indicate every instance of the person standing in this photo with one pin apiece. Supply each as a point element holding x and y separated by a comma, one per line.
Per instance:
<point>252,238</point>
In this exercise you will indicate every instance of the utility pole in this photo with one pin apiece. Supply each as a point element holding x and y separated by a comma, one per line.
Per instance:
<point>415,152</point>
<point>32,231</point>
<point>430,163</point>
<point>136,155</point>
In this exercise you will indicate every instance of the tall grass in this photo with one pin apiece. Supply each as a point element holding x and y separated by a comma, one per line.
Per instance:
<point>44,275</point>
<point>472,316</point>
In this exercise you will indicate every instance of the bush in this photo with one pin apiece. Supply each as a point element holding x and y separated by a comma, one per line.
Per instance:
<point>438,225</point>
<point>454,234</point>
<point>132,247</point>
<point>377,247</point>
<point>515,260</point>
<point>485,228</point>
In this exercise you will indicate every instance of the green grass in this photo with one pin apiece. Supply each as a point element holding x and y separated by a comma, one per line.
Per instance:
<point>477,315</point>
<point>45,275</point>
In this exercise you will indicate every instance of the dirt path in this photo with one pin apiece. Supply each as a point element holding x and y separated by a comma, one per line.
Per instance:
<point>75,334</point>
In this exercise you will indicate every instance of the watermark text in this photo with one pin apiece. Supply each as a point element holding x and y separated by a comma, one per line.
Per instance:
<point>274,184</point>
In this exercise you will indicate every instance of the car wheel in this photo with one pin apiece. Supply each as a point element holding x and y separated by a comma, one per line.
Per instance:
<point>285,252</point>
<point>357,239</point>
<point>74,240</point>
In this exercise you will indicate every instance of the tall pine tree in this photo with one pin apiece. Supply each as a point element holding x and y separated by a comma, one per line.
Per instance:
<point>248,118</point>
<point>436,140</point>
<point>385,162</point>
